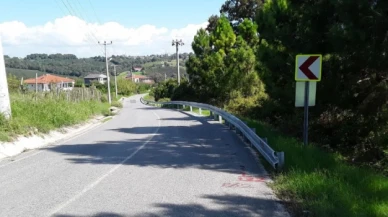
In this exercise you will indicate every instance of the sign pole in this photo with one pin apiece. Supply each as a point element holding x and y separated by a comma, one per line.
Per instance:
<point>306,112</point>
<point>308,68</point>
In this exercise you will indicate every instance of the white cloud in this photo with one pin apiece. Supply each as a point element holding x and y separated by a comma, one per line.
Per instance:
<point>73,35</point>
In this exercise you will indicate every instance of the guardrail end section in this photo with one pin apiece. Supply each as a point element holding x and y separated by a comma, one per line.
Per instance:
<point>280,156</point>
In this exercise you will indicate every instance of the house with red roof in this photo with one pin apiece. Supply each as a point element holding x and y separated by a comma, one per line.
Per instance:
<point>49,82</point>
<point>139,78</point>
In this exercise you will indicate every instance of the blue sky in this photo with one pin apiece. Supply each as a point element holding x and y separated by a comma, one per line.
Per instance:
<point>166,13</point>
<point>168,18</point>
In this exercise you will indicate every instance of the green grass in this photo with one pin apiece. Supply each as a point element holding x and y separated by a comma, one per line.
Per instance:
<point>171,63</point>
<point>149,98</point>
<point>196,110</point>
<point>117,104</point>
<point>25,73</point>
<point>122,75</point>
<point>46,114</point>
<point>319,182</point>
<point>323,183</point>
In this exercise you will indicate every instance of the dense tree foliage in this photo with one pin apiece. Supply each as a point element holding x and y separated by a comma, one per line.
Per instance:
<point>244,61</point>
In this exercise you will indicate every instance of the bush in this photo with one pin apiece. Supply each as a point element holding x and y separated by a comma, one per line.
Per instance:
<point>104,98</point>
<point>125,87</point>
<point>117,104</point>
<point>184,92</point>
<point>165,89</point>
<point>13,83</point>
<point>142,87</point>
<point>164,100</point>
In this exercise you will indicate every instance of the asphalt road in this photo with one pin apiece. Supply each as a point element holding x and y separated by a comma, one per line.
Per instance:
<point>144,162</point>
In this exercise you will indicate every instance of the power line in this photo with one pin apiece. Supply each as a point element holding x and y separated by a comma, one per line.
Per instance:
<point>95,14</point>
<point>72,12</point>
<point>92,32</point>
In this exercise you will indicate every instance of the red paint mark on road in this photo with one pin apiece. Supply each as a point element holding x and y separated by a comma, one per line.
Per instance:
<point>236,185</point>
<point>250,179</point>
<point>247,178</point>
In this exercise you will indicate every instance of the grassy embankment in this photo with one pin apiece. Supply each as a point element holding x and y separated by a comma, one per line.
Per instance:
<point>321,183</point>
<point>50,111</point>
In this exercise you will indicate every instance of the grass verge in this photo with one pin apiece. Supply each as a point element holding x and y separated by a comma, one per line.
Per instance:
<point>322,183</point>
<point>319,183</point>
<point>149,98</point>
<point>196,110</point>
<point>46,114</point>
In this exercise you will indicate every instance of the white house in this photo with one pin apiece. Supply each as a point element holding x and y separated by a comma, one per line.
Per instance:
<point>101,78</point>
<point>139,78</point>
<point>48,82</point>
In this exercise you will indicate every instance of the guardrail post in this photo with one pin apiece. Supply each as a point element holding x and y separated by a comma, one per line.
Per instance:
<point>220,119</point>
<point>265,139</point>
<point>177,106</point>
<point>191,108</point>
<point>200,111</point>
<point>280,156</point>
<point>211,113</point>
<point>246,139</point>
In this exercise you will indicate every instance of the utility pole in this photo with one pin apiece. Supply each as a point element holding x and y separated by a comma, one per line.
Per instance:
<point>107,70</point>
<point>176,43</point>
<point>5,104</point>
<point>114,69</point>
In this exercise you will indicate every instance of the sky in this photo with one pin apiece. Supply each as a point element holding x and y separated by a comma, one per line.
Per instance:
<point>135,27</point>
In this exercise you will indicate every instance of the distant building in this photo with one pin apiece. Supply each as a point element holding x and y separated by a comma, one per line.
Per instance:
<point>139,78</point>
<point>49,82</point>
<point>100,78</point>
<point>137,69</point>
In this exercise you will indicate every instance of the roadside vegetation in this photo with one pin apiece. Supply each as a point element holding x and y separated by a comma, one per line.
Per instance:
<point>41,112</point>
<point>244,62</point>
<point>70,65</point>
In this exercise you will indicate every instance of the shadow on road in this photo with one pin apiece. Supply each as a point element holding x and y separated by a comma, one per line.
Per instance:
<point>201,145</point>
<point>102,214</point>
<point>219,205</point>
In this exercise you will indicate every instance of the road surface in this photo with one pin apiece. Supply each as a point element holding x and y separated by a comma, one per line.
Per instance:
<point>144,162</point>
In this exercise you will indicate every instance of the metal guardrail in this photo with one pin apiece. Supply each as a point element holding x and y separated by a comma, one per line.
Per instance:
<point>275,159</point>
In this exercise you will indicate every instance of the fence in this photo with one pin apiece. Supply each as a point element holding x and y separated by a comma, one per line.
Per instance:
<point>275,159</point>
<point>74,95</point>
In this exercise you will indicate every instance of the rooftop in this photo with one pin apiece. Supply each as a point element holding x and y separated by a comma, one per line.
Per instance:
<point>48,78</point>
<point>95,76</point>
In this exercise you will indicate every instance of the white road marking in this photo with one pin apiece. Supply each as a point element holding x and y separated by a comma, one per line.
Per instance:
<point>92,185</point>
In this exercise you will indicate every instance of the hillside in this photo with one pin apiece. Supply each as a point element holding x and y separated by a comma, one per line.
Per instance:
<point>155,66</point>
<point>158,70</point>
<point>25,73</point>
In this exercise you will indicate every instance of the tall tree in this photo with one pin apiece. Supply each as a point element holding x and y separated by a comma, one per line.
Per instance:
<point>238,10</point>
<point>213,19</point>
<point>352,36</point>
<point>223,66</point>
